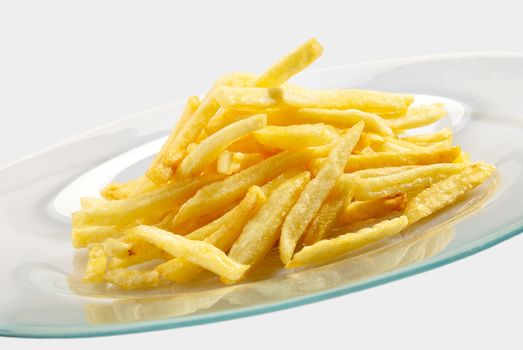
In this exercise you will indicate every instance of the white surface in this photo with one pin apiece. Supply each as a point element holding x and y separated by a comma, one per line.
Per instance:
<point>116,59</point>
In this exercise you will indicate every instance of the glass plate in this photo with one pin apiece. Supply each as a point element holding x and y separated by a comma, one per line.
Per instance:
<point>39,273</point>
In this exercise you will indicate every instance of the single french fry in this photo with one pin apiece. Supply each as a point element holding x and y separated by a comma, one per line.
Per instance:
<point>404,144</point>
<point>296,136</point>
<point>291,64</point>
<point>341,118</point>
<point>128,189</point>
<point>262,231</point>
<point>419,116</point>
<point>158,172</point>
<point>141,254</point>
<point>90,202</point>
<point>221,233</point>
<point>117,248</point>
<point>392,159</point>
<point>364,174</point>
<point>372,209</point>
<point>96,264</point>
<point>234,187</point>
<point>252,98</point>
<point>160,200</point>
<point>447,191</point>
<point>210,148</point>
<point>223,118</point>
<point>444,134</point>
<point>328,249</point>
<point>249,144</point>
<point>329,212</point>
<point>83,236</point>
<point>132,279</point>
<point>197,252</point>
<point>316,192</point>
<point>363,143</point>
<point>383,186</point>
<point>231,162</point>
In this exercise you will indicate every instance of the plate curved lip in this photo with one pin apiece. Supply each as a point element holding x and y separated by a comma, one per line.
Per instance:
<point>171,323</point>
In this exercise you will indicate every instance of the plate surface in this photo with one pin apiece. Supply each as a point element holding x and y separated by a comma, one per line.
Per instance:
<point>39,273</point>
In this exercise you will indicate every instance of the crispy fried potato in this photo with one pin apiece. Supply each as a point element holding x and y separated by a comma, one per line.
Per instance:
<point>374,172</point>
<point>221,233</point>
<point>383,186</point>
<point>235,186</point>
<point>296,136</point>
<point>249,144</point>
<point>96,264</point>
<point>328,249</point>
<point>211,147</point>
<point>225,117</point>
<point>329,212</point>
<point>231,162</point>
<point>128,189</point>
<point>341,118</point>
<point>404,145</point>
<point>125,211</point>
<point>447,191</point>
<point>83,236</point>
<point>419,116</point>
<point>132,279</point>
<point>372,209</point>
<point>197,252</point>
<point>363,143</point>
<point>444,134</point>
<point>316,192</point>
<point>253,98</point>
<point>262,231</point>
<point>142,254</point>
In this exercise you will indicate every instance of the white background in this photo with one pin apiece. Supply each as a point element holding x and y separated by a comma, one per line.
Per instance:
<point>69,66</point>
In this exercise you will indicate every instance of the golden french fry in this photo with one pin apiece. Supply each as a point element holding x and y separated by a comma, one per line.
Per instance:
<point>444,134</point>
<point>83,236</point>
<point>234,187</point>
<point>132,279</point>
<point>158,171</point>
<point>252,98</point>
<point>463,157</point>
<point>447,191</point>
<point>296,136</point>
<point>221,233</point>
<point>223,118</point>
<point>419,116</point>
<point>142,254</point>
<point>383,186</point>
<point>124,211</point>
<point>363,143</point>
<point>328,249</point>
<point>392,159</point>
<point>90,202</point>
<point>364,174</point>
<point>262,231</point>
<point>211,147</point>
<point>96,264</point>
<point>231,162</point>
<point>117,248</point>
<point>128,189</point>
<point>291,64</point>
<point>316,192</point>
<point>280,179</point>
<point>335,117</point>
<point>405,145</point>
<point>372,209</point>
<point>329,212</point>
<point>197,252</point>
<point>249,144</point>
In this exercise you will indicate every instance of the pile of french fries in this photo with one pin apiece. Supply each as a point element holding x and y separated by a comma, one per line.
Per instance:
<point>260,164</point>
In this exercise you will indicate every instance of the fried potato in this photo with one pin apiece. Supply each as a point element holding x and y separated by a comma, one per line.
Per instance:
<point>447,191</point>
<point>231,162</point>
<point>210,148</point>
<point>142,254</point>
<point>83,236</point>
<point>419,116</point>
<point>329,212</point>
<point>374,172</point>
<point>253,98</point>
<point>128,189</point>
<point>341,118</point>
<point>290,65</point>
<point>383,186</point>
<point>234,187</point>
<point>329,249</point>
<point>296,136</point>
<point>372,209</point>
<point>316,192</point>
<point>405,145</point>
<point>262,231</point>
<point>444,134</point>
<point>96,264</point>
<point>225,117</point>
<point>249,144</point>
<point>125,211</point>
<point>221,233</point>
<point>363,143</point>
<point>197,252</point>
<point>132,279</point>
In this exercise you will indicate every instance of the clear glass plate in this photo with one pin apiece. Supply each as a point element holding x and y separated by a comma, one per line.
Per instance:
<point>40,295</point>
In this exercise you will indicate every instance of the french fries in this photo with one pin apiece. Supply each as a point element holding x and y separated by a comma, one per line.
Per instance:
<point>315,193</point>
<point>260,164</point>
